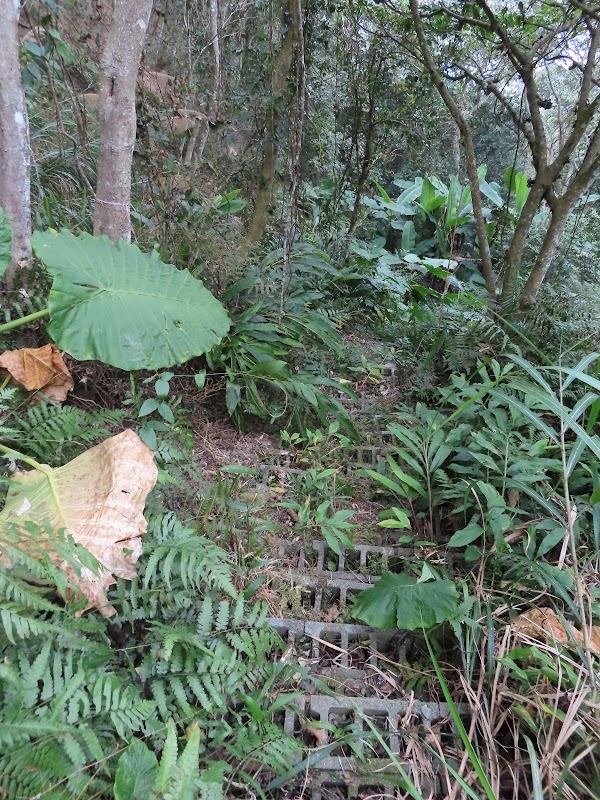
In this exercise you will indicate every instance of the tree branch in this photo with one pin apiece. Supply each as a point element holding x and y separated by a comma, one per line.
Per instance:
<point>490,86</point>
<point>588,71</point>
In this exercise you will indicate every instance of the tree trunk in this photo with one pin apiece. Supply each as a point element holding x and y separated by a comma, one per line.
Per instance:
<point>456,150</point>
<point>546,254</point>
<point>14,140</point>
<point>461,120</point>
<point>561,209</point>
<point>517,243</point>
<point>368,151</point>
<point>201,132</point>
<point>280,74</point>
<point>214,13</point>
<point>119,67</point>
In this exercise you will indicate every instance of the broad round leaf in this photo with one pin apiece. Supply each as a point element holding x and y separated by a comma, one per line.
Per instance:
<point>136,773</point>
<point>114,303</point>
<point>398,601</point>
<point>98,499</point>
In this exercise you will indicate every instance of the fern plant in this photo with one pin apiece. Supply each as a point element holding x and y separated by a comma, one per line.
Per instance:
<point>54,434</point>
<point>185,653</point>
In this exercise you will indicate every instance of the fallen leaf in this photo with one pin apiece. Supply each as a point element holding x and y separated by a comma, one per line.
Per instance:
<point>39,369</point>
<point>98,499</point>
<point>292,515</point>
<point>320,734</point>
<point>544,623</point>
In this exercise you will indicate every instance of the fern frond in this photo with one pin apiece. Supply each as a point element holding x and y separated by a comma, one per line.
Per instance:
<point>189,561</point>
<point>52,433</point>
<point>185,775</point>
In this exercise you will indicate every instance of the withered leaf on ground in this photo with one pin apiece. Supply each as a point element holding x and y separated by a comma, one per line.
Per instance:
<point>98,499</point>
<point>544,624</point>
<point>39,369</point>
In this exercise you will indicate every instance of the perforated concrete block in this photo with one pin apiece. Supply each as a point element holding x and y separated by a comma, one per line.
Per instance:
<point>317,556</point>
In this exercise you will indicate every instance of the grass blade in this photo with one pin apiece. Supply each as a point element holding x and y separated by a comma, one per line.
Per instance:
<point>536,778</point>
<point>473,757</point>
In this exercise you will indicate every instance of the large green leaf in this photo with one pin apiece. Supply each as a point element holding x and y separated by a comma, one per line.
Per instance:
<point>430,198</point>
<point>409,237</point>
<point>136,772</point>
<point>410,194</point>
<point>490,190</point>
<point>516,184</point>
<point>5,243</point>
<point>114,303</point>
<point>399,601</point>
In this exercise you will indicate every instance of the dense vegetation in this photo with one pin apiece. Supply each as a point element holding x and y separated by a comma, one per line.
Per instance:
<point>321,194</point>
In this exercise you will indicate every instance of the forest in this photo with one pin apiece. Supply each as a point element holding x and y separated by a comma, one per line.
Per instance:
<point>299,399</point>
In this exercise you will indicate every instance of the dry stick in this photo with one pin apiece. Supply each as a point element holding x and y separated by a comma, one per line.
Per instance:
<point>486,267</point>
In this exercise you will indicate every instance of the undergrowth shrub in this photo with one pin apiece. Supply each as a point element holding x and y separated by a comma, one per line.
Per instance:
<point>279,315</point>
<point>565,320</point>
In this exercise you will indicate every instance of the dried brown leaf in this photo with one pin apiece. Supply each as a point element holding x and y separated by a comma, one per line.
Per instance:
<point>98,499</point>
<point>39,369</point>
<point>544,624</point>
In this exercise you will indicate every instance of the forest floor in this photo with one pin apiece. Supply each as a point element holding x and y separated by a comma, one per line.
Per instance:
<point>360,676</point>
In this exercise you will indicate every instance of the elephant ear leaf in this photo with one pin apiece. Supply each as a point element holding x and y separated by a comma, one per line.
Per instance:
<point>114,303</point>
<point>5,243</point>
<point>400,601</point>
<point>98,501</point>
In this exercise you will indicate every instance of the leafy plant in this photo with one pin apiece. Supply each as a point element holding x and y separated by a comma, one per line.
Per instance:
<point>53,434</point>
<point>332,525</point>
<point>159,406</point>
<point>437,219</point>
<point>184,652</point>
<point>140,776</point>
<point>257,357</point>
<point>113,303</point>
<point>401,601</point>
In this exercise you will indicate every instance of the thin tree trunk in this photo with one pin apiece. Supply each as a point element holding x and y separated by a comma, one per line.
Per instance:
<point>561,209</point>
<point>485,256</point>
<point>456,150</point>
<point>119,67</point>
<point>280,74</point>
<point>201,132</point>
<point>214,13</point>
<point>14,140</point>
<point>546,254</point>
<point>367,153</point>
<point>517,243</point>
<point>362,180</point>
<point>296,137</point>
